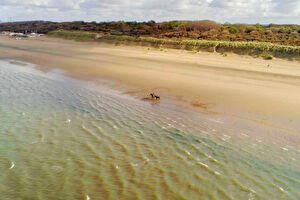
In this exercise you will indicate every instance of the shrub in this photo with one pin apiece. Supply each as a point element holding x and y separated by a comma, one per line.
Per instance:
<point>247,46</point>
<point>204,25</point>
<point>73,35</point>
<point>191,44</point>
<point>233,30</point>
<point>249,29</point>
<point>268,57</point>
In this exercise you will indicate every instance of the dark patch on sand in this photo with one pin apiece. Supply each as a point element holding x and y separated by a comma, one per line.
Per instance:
<point>201,105</point>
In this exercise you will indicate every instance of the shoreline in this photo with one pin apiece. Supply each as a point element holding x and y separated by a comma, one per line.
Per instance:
<point>236,86</point>
<point>219,123</point>
<point>82,127</point>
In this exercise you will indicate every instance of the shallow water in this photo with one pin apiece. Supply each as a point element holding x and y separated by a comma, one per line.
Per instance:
<point>66,139</point>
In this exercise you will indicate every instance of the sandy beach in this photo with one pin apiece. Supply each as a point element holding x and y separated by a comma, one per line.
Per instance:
<point>266,91</point>
<point>76,122</point>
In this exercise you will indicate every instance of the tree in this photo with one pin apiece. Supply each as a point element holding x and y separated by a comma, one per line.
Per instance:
<point>233,30</point>
<point>249,29</point>
<point>151,23</point>
<point>204,25</point>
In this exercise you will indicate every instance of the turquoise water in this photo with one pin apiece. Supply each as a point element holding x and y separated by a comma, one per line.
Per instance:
<point>66,139</point>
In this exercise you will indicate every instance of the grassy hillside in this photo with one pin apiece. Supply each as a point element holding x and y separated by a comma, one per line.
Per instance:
<point>264,49</point>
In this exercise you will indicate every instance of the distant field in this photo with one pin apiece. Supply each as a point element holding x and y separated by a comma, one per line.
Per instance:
<point>263,49</point>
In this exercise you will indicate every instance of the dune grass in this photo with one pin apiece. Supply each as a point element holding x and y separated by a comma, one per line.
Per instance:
<point>250,48</point>
<point>73,35</point>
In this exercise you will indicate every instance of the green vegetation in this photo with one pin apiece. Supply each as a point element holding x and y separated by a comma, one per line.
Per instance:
<point>288,34</point>
<point>264,49</point>
<point>73,35</point>
<point>250,48</point>
<point>268,57</point>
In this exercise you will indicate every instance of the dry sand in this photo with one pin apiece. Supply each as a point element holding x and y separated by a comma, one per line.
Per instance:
<point>266,91</point>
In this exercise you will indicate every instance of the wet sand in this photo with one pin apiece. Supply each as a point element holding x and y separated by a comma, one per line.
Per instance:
<point>261,91</point>
<point>63,138</point>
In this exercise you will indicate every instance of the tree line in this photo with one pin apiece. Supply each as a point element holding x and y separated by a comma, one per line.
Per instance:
<point>204,29</point>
